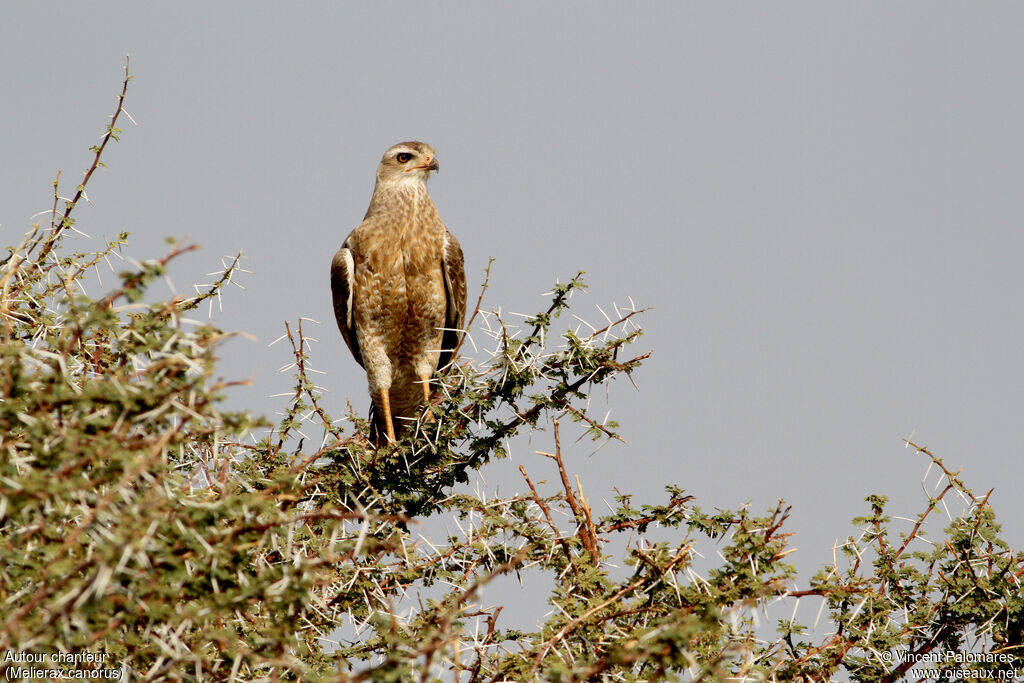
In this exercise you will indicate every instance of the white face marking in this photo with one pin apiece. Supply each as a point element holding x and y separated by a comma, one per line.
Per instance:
<point>417,178</point>
<point>405,174</point>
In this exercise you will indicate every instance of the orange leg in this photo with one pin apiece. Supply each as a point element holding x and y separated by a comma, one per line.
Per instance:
<point>425,381</point>
<point>385,399</point>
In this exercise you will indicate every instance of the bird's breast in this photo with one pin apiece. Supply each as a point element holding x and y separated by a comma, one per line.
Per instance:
<point>401,283</point>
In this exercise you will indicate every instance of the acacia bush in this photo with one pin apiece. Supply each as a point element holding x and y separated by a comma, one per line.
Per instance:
<point>147,534</point>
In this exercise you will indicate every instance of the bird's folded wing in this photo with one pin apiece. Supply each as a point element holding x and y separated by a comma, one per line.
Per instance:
<point>455,297</point>
<point>343,287</point>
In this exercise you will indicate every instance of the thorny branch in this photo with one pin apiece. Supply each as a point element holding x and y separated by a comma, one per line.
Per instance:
<point>56,227</point>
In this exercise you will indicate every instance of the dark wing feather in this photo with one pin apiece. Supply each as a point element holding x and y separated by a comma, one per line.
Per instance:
<point>342,287</point>
<point>454,268</point>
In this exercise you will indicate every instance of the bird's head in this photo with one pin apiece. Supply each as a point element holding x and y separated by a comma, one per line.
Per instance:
<point>407,163</point>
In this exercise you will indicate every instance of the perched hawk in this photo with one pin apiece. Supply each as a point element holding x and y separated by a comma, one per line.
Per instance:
<point>399,288</point>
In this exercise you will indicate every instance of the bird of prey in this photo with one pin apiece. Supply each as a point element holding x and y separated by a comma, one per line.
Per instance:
<point>399,287</point>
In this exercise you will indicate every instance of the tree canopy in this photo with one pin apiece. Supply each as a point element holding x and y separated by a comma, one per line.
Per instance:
<point>149,534</point>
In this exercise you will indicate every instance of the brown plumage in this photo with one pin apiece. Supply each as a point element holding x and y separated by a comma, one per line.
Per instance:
<point>399,287</point>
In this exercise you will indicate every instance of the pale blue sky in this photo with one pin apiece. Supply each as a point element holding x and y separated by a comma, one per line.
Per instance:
<point>821,202</point>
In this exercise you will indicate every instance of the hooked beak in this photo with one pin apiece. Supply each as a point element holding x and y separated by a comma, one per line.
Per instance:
<point>431,165</point>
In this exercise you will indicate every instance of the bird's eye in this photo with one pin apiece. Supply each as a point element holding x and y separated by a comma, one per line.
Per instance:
<point>403,157</point>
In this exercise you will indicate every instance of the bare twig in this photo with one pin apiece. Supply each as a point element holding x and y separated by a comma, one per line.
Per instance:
<point>551,523</point>
<point>587,535</point>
